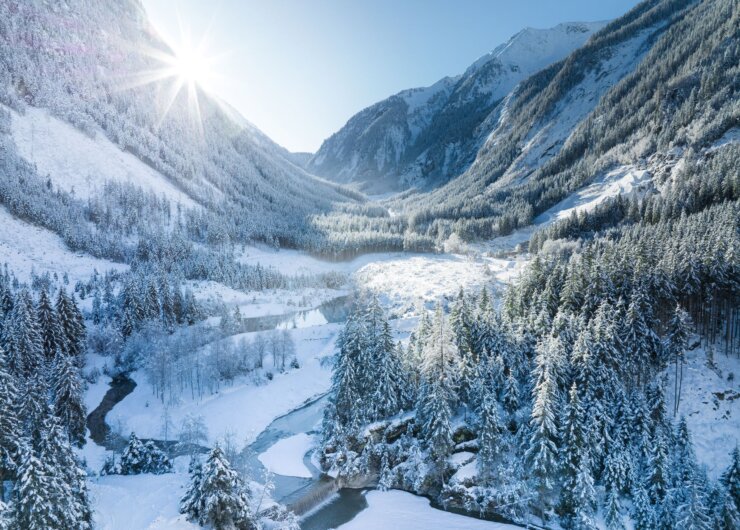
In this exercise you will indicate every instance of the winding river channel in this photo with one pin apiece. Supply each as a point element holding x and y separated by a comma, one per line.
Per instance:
<point>318,500</point>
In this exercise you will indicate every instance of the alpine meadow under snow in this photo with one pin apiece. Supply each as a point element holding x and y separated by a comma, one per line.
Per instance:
<point>535,322</point>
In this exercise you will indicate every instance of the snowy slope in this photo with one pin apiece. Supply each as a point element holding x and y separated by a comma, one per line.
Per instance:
<point>25,248</point>
<point>432,133</point>
<point>76,162</point>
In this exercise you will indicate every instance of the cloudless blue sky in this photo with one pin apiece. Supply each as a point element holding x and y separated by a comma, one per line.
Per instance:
<point>298,69</point>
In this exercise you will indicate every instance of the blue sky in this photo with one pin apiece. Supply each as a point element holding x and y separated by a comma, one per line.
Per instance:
<point>298,69</point>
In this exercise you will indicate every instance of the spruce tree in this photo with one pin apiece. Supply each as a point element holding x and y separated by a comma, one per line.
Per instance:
<point>48,326</point>
<point>731,477</point>
<point>22,338</point>
<point>69,406</point>
<point>724,513</point>
<point>542,453</point>
<point>490,437</point>
<point>36,494</point>
<point>387,399</point>
<point>218,498</point>
<point>577,496</point>
<point>10,428</point>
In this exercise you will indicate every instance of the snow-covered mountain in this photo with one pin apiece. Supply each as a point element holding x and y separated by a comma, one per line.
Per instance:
<point>86,102</point>
<point>427,135</point>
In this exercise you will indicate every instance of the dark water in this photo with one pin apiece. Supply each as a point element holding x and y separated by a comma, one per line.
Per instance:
<point>342,508</point>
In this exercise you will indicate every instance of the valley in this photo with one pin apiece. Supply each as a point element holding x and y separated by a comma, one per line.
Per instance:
<point>509,299</point>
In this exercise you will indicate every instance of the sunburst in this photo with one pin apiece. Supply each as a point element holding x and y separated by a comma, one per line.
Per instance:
<point>187,66</point>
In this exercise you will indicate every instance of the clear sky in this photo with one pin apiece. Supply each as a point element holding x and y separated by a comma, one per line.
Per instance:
<point>299,69</point>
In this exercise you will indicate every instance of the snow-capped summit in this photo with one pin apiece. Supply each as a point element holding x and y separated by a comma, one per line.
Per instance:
<point>429,134</point>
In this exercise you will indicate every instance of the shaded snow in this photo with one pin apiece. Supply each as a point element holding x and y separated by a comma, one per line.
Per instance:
<point>401,510</point>
<point>285,457</point>
<point>24,246</point>
<point>710,402</point>
<point>75,161</point>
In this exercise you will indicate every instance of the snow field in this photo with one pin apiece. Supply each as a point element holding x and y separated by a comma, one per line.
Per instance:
<point>75,161</point>
<point>710,402</point>
<point>285,457</point>
<point>243,409</point>
<point>26,247</point>
<point>398,509</point>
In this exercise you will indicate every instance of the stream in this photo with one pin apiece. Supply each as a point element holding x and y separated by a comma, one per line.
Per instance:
<point>319,500</point>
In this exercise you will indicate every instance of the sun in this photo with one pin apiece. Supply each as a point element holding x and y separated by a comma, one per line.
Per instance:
<point>191,67</point>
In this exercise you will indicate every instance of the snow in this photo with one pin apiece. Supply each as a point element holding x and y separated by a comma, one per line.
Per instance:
<point>398,509</point>
<point>243,409</point>
<point>624,180</point>
<point>26,247</point>
<point>406,282</point>
<point>710,402</point>
<point>141,502</point>
<point>285,457</point>
<point>75,161</point>
<point>546,139</point>
<point>261,303</point>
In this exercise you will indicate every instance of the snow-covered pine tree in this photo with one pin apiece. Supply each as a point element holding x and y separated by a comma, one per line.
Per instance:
<point>387,398</point>
<point>724,513</point>
<point>676,341</point>
<point>36,494</point>
<point>69,406</point>
<point>72,326</point>
<point>731,477</point>
<point>48,326</point>
<point>10,428</point>
<point>577,495</point>
<point>74,508</point>
<point>133,458</point>
<point>22,338</point>
<point>643,514</point>
<point>35,410</point>
<point>542,452</point>
<point>220,499</point>
<point>490,437</point>
<point>189,501</point>
<point>437,392</point>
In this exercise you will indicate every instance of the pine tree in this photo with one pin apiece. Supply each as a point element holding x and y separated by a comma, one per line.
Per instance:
<point>218,498</point>
<point>10,428</point>
<point>643,514</point>
<point>577,496</point>
<point>658,470</point>
<point>511,398</point>
<point>436,395</point>
<point>48,326</point>
<point>35,411</point>
<point>676,342</point>
<point>724,513</point>
<point>731,477</point>
<point>133,458</point>
<point>543,449</point>
<point>22,338</point>
<point>189,501</point>
<point>72,326</point>
<point>35,495</point>
<point>74,507</point>
<point>490,437</point>
<point>69,406</point>
<point>387,399</point>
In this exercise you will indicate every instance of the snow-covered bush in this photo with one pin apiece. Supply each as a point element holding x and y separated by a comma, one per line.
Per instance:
<point>138,458</point>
